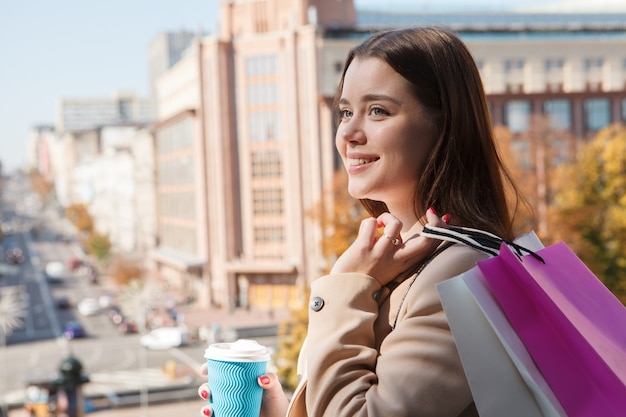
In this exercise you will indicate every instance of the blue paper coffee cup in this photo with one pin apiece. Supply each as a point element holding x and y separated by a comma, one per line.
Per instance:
<point>233,369</point>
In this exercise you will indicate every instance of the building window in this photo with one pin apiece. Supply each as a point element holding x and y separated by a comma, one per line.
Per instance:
<point>593,63</point>
<point>267,202</point>
<point>261,65</point>
<point>266,164</point>
<point>597,113</point>
<point>262,94</point>
<point>517,115</point>
<point>264,126</point>
<point>269,234</point>
<point>513,65</point>
<point>560,114</point>
<point>175,137</point>
<point>553,64</point>
<point>624,110</point>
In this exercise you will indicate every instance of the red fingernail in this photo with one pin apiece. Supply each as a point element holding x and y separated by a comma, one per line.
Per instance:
<point>206,412</point>
<point>446,218</point>
<point>204,394</point>
<point>264,380</point>
<point>432,210</point>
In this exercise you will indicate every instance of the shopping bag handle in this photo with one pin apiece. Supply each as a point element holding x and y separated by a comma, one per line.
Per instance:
<point>477,239</point>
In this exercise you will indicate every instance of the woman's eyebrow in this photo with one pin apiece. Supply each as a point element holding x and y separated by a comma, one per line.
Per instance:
<point>373,97</point>
<point>380,97</point>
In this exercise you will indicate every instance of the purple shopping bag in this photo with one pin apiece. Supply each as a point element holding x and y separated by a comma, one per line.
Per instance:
<point>573,327</point>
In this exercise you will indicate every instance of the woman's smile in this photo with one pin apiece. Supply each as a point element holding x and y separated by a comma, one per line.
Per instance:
<point>384,136</point>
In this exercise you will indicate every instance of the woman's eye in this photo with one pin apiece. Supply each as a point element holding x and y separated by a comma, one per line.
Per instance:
<point>345,113</point>
<point>377,111</point>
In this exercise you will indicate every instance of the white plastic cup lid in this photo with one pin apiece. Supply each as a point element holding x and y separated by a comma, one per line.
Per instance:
<point>243,350</point>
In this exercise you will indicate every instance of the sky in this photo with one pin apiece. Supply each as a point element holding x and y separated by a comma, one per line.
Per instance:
<point>72,49</point>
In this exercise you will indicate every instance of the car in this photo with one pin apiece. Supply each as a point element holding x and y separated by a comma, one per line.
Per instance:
<point>73,330</point>
<point>127,327</point>
<point>88,306</point>
<point>74,263</point>
<point>163,338</point>
<point>63,302</point>
<point>55,271</point>
<point>14,255</point>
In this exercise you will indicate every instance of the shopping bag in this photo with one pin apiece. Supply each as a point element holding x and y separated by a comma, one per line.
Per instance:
<point>502,377</point>
<point>573,327</point>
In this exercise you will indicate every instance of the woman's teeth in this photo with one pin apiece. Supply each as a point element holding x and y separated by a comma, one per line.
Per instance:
<point>360,161</point>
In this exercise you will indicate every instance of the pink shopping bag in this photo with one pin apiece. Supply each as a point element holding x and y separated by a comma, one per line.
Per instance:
<point>572,326</point>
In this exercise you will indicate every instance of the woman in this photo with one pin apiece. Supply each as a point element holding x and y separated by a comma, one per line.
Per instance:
<point>416,139</point>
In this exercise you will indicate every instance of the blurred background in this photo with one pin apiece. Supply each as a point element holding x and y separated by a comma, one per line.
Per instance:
<point>171,165</point>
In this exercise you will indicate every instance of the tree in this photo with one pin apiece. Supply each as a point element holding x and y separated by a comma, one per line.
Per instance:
<point>40,185</point>
<point>79,215</point>
<point>124,271</point>
<point>590,207</point>
<point>532,157</point>
<point>98,245</point>
<point>339,216</point>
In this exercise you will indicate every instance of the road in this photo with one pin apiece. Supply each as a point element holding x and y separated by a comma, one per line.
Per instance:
<point>115,362</point>
<point>124,377</point>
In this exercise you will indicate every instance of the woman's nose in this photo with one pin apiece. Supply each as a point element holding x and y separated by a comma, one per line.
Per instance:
<point>351,132</point>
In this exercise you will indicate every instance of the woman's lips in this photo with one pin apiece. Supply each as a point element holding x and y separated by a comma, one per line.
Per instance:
<point>360,161</point>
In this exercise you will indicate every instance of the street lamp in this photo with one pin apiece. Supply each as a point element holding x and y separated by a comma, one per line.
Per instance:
<point>69,383</point>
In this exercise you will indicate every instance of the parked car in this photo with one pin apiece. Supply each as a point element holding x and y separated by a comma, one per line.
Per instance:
<point>73,330</point>
<point>63,302</point>
<point>55,271</point>
<point>164,338</point>
<point>14,255</point>
<point>88,306</point>
<point>74,263</point>
<point>127,327</point>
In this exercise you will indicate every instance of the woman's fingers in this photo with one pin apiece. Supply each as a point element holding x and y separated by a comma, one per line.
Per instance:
<point>203,391</point>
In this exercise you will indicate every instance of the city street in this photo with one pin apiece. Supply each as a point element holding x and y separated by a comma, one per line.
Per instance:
<point>115,363</point>
<point>125,378</point>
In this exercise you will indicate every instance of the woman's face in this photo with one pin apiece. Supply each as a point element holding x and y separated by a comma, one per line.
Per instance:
<point>384,135</point>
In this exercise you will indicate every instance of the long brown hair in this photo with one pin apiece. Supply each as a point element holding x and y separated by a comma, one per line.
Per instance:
<point>464,175</point>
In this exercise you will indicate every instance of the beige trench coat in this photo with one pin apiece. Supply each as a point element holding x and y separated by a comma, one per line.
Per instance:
<point>354,364</point>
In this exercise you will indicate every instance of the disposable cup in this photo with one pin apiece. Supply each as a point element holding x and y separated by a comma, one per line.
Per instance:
<point>233,369</point>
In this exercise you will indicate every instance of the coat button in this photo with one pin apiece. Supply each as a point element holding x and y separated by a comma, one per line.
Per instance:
<point>317,303</point>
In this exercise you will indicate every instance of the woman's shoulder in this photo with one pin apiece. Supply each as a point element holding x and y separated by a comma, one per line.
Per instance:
<point>452,261</point>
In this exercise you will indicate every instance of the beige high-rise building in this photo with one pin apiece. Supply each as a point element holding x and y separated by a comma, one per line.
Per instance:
<point>245,133</point>
<point>244,152</point>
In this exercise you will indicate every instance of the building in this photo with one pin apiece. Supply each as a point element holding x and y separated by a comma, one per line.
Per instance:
<point>164,51</point>
<point>244,136</point>
<point>79,114</point>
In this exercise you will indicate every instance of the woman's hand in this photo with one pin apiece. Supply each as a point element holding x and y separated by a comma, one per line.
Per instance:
<point>274,403</point>
<point>385,256</point>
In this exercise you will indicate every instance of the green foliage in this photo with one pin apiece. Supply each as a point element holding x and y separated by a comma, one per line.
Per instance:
<point>98,245</point>
<point>590,207</point>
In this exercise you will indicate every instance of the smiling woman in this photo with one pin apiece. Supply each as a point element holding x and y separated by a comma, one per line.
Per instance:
<point>415,138</point>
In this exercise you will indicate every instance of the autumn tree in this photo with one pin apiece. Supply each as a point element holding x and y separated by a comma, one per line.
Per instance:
<point>339,216</point>
<point>532,157</point>
<point>79,216</point>
<point>124,271</point>
<point>42,187</point>
<point>590,207</point>
<point>340,219</point>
